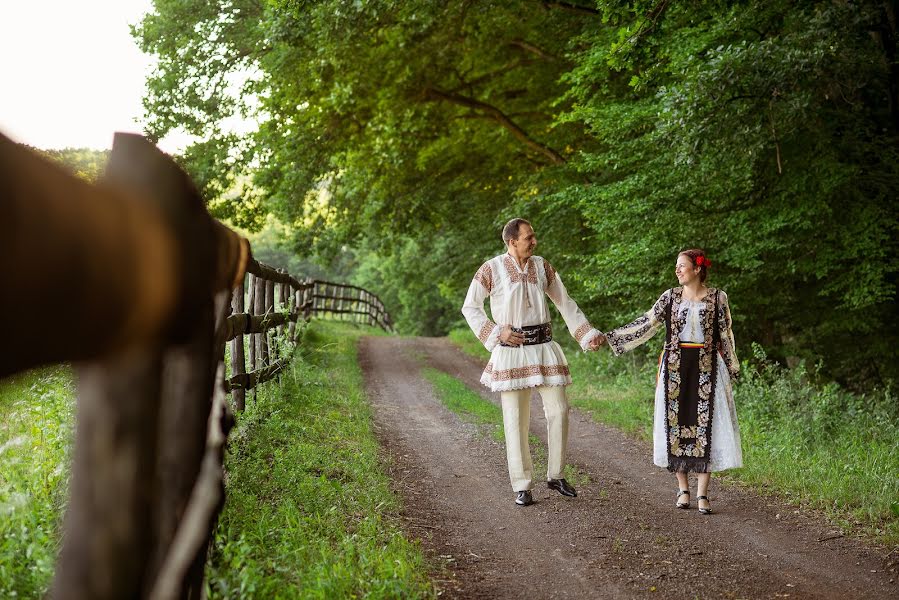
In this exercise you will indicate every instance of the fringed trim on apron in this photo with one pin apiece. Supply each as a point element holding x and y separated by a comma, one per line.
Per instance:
<point>678,464</point>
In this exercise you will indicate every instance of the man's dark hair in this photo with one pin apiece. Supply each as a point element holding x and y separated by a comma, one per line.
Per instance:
<point>510,231</point>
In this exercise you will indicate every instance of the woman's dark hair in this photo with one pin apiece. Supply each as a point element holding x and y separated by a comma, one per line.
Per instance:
<point>693,254</point>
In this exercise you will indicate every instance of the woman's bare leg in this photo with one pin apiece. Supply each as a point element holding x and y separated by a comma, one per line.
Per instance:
<point>702,488</point>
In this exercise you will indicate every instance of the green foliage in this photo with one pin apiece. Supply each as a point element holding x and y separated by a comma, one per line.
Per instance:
<point>468,343</point>
<point>309,512</point>
<point>272,246</point>
<point>617,391</point>
<point>84,163</point>
<point>415,283</point>
<point>36,435</point>
<point>397,137</point>
<point>762,132</point>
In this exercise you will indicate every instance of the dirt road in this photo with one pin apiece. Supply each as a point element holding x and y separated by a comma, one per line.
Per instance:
<point>620,538</point>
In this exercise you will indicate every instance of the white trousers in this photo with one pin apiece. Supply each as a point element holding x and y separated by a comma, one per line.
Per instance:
<point>517,420</point>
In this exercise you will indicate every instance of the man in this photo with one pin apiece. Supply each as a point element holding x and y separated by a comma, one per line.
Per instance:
<point>523,353</point>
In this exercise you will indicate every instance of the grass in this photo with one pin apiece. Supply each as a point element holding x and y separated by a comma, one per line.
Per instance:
<point>36,436</point>
<point>471,407</point>
<point>468,405</point>
<point>822,446</point>
<point>808,442</point>
<point>309,512</point>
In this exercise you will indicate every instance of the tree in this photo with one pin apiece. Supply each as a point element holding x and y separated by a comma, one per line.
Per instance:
<point>407,133</point>
<point>766,133</point>
<point>85,163</point>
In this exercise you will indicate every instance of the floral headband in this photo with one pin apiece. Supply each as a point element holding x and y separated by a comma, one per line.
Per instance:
<point>702,261</point>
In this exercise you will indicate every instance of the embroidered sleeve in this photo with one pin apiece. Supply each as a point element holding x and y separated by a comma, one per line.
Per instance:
<point>728,347</point>
<point>641,329</point>
<point>550,274</point>
<point>484,276</point>
<point>486,330</point>
<point>578,325</point>
<point>480,289</point>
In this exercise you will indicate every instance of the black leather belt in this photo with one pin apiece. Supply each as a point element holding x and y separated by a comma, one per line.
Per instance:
<point>533,334</point>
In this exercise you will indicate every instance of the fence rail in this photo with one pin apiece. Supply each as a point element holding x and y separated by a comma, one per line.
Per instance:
<point>156,289</point>
<point>286,301</point>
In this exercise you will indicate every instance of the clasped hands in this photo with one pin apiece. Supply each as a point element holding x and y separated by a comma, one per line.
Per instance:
<point>516,338</point>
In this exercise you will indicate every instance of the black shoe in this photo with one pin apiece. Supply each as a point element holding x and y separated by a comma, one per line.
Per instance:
<point>563,487</point>
<point>524,498</point>
<point>683,504</point>
<point>704,511</point>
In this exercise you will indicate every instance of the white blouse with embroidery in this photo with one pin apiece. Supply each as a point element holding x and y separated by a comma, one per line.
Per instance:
<point>518,298</point>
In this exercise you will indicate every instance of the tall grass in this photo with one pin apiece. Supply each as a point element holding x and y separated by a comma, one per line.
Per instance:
<point>808,441</point>
<point>309,512</point>
<point>821,445</point>
<point>36,436</point>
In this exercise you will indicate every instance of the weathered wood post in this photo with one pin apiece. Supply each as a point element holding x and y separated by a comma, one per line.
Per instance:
<point>259,338</point>
<point>118,511</point>
<point>282,301</point>
<point>238,396</point>
<point>298,309</point>
<point>251,305</point>
<point>267,353</point>
<point>292,307</point>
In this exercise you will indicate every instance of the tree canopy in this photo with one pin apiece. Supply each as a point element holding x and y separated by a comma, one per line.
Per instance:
<point>396,137</point>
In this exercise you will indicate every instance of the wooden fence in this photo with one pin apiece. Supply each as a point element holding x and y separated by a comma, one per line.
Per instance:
<point>150,304</point>
<point>271,299</point>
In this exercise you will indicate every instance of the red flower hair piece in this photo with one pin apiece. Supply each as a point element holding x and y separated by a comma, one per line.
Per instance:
<point>702,261</point>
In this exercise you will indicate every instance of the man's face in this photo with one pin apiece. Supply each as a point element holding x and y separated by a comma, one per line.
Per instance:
<point>526,242</point>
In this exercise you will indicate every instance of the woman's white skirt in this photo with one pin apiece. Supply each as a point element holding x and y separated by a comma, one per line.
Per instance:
<point>516,368</point>
<point>725,452</point>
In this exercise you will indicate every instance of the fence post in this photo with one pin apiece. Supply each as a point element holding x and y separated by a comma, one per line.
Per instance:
<point>187,386</point>
<point>267,351</point>
<point>106,549</point>
<point>283,305</point>
<point>193,372</point>
<point>238,396</point>
<point>115,520</point>
<point>309,300</point>
<point>259,338</point>
<point>291,299</point>
<point>251,302</point>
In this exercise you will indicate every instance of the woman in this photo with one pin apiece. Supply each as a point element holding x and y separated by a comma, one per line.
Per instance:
<point>695,425</point>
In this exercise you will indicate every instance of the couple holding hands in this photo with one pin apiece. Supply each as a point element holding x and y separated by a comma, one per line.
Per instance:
<point>693,398</point>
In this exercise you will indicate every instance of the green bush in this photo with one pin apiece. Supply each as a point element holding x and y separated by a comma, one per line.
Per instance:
<point>36,434</point>
<point>821,445</point>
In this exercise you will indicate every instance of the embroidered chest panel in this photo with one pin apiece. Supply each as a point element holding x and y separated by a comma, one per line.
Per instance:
<point>516,276</point>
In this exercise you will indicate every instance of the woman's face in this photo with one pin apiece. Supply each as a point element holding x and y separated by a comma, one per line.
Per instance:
<point>684,270</point>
